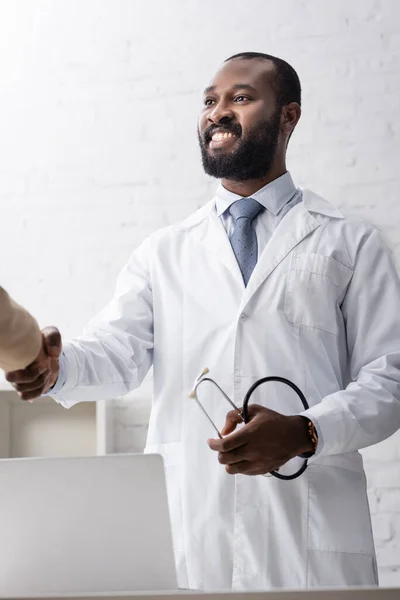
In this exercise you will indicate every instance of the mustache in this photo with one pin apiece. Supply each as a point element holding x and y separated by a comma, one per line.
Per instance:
<point>233,128</point>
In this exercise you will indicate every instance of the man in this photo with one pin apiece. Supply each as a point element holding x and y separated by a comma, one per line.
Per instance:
<point>264,280</point>
<point>21,341</point>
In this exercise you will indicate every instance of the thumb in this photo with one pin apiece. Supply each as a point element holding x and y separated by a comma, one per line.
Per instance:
<point>52,341</point>
<point>233,419</point>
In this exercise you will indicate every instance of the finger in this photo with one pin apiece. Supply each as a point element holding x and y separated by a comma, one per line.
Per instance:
<point>235,456</point>
<point>40,390</point>
<point>229,443</point>
<point>33,385</point>
<point>48,385</point>
<point>243,467</point>
<point>248,468</point>
<point>234,440</point>
<point>52,341</point>
<point>27,375</point>
<point>255,409</point>
<point>214,444</point>
<point>233,419</point>
<point>31,394</point>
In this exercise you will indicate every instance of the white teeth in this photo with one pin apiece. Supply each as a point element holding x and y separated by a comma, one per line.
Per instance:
<point>218,137</point>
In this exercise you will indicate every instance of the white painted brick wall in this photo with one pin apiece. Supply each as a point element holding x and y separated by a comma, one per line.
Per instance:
<point>98,107</point>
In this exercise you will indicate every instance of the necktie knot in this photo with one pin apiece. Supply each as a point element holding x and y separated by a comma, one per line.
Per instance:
<point>246,208</point>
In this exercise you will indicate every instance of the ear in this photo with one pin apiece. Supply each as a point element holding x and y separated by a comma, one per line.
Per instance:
<point>290,116</point>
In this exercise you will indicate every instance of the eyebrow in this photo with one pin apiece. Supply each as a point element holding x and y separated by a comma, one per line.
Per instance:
<point>236,87</point>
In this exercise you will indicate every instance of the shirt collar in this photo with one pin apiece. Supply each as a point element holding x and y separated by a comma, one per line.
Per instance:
<point>273,196</point>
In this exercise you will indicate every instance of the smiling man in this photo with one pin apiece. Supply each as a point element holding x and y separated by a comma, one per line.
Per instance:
<point>239,130</point>
<point>264,280</point>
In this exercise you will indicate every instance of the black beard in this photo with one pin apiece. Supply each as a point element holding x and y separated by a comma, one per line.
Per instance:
<point>252,157</point>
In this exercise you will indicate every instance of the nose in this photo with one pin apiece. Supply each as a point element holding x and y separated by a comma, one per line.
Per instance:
<point>220,113</point>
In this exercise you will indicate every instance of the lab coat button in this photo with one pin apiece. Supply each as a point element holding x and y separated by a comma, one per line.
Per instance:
<point>243,317</point>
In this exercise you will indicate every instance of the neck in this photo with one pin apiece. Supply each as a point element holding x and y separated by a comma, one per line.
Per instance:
<point>251,186</point>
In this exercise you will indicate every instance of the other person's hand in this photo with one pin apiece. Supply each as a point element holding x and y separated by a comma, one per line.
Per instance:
<point>38,377</point>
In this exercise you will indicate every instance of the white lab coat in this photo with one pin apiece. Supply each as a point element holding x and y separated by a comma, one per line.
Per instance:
<point>322,308</point>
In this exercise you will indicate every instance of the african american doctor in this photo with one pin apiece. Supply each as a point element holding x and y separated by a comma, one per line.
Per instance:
<point>264,279</point>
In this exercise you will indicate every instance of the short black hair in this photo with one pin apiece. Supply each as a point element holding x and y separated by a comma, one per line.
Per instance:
<point>287,82</point>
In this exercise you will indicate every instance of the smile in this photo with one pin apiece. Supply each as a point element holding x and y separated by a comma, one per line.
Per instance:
<point>222,139</point>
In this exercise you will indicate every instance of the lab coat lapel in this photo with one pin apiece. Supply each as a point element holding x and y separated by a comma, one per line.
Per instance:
<point>297,224</point>
<point>218,243</point>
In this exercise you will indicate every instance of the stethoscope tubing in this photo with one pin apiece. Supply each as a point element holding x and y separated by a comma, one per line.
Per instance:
<point>244,413</point>
<point>246,419</point>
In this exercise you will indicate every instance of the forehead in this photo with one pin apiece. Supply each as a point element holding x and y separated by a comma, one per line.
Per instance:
<point>255,72</point>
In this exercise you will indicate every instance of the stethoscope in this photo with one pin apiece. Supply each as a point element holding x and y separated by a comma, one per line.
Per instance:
<point>244,413</point>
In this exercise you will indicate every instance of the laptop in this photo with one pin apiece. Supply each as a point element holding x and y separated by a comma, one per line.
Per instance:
<point>84,525</point>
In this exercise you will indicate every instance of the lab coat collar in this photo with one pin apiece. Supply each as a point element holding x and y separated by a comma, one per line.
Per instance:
<point>315,204</point>
<point>312,203</point>
<point>273,196</point>
<point>296,225</point>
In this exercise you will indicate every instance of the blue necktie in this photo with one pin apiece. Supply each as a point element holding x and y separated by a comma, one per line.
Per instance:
<point>243,238</point>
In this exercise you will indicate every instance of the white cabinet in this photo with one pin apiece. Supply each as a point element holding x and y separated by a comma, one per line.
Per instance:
<point>44,428</point>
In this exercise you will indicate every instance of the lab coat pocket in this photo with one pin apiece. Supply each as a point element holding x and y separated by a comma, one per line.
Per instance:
<point>339,518</point>
<point>340,569</point>
<point>315,285</point>
<point>172,457</point>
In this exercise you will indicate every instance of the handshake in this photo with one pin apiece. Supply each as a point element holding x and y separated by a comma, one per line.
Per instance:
<point>40,375</point>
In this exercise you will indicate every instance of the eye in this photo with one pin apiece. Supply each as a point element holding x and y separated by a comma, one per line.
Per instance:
<point>241,98</point>
<point>209,102</point>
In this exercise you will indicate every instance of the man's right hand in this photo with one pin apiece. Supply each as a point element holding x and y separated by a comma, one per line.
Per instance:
<point>38,377</point>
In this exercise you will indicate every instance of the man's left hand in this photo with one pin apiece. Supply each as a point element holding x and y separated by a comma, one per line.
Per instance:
<point>264,444</point>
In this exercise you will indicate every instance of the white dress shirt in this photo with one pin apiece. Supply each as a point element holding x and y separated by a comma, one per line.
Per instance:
<point>278,197</point>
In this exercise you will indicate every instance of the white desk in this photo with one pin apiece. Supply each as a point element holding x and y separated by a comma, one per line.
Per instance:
<point>350,594</point>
